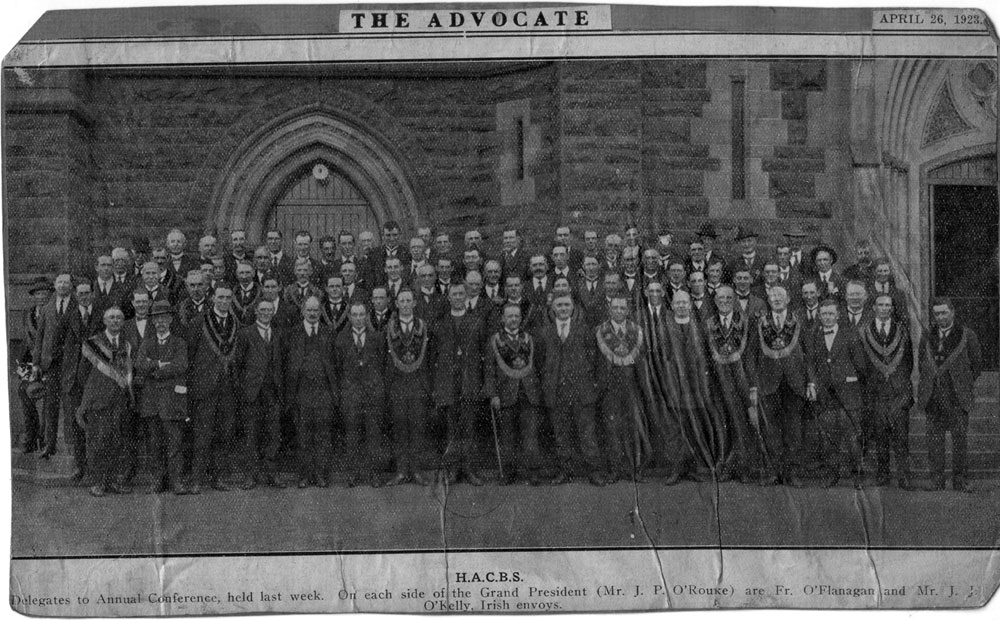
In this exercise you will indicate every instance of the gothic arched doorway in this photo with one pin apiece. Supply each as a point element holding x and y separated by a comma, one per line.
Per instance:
<point>267,169</point>
<point>324,202</point>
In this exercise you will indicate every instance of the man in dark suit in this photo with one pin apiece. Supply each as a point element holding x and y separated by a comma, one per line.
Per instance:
<point>540,284</point>
<point>492,284</point>
<point>652,268</point>
<point>701,304</point>
<point>123,268</point>
<point>511,383</point>
<point>574,255</point>
<point>889,391</point>
<point>513,260</point>
<point>444,267</point>
<point>195,306</point>
<point>748,259</point>
<point>262,265</point>
<point>831,283</point>
<point>211,347</point>
<point>237,253</point>
<point>570,389</point>
<point>799,259</point>
<point>950,360</point>
<point>631,280</point>
<point>611,259</point>
<point>393,280</point>
<point>47,356</point>
<point>856,312</point>
<point>749,304</point>
<point>778,378</point>
<point>336,309</point>
<point>107,291</point>
<point>360,364</point>
<point>429,303</point>
<point>83,322</point>
<point>106,398</point>
<point>477,303</point>
<point>621,344</point>
<point>457,341</point>
<point>161,362</point>
<point>349,254</point>
<point>808,310</point>
<point>138,327</point>
<point>560,264</point>
<point>418,258</point>
<point>281,264</point>
<point>838,368</point>
<point>285,315</point>
<point>770,274</point>
<point>790,277</point>
<point>246,292</point>
<point>884,284</point>
<point>303,252</point>
<point>390,248</point>
<point>408,378</point>
<point>311,386</point>
<point>354,291</point>
<point>302,288</point>
<point>590,290</point>
<point>380,312</point>
<point>180,263</point>
<point>258,369</point>
<point>514,294</point>
<point>169,281</point>
<point>41,292</point>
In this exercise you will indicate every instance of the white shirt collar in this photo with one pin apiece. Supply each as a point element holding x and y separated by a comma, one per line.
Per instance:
<point>682,321</point>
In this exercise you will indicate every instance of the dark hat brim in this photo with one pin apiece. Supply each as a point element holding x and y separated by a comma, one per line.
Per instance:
<point>824,248</point>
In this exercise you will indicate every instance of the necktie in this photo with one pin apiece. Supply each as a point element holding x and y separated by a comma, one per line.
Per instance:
<point>562,332</point>
<point>274,261</point>
<point>779,322</point>
<point>313,330</point>
<point>829,331</point>
<point>656,319</point>
<point>357,340</point>
<point>62,306</point>
<point>882,330</point>
<point>86,316</point>
<point>795,260</point>
<point>854,318</point>
<point>406,327</point>
<point>725,323</point>
<point>267,335</point>
<point>811,314</point>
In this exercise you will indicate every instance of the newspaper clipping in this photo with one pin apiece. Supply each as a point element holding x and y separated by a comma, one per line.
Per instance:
<point>501,308</point>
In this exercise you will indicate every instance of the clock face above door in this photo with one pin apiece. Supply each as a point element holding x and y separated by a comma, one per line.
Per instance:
<point>320,172</point>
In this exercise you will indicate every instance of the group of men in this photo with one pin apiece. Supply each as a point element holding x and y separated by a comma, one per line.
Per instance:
<point>619,358</point>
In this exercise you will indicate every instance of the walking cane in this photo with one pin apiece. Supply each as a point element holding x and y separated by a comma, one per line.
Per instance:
<point>496,438</point>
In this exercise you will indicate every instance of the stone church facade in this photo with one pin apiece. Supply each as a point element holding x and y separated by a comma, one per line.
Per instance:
<point>844,148</point>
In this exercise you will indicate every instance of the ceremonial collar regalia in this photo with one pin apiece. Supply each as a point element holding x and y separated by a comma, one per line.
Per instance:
<point>620,349</point>
<point>338,321</point>
<point>407,349</point>
<point>775,343</point>
<point>884,357</point>
<point>958,351</point>
<point>220,336</point>
<point>727,346</point>
<point>515,356</point>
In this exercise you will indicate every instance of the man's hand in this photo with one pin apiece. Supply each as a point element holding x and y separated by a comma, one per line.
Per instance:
<point>495,403</point>
<point>811,392</point>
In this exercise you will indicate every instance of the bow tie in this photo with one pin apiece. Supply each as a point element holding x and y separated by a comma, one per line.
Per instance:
<point>829,331</point>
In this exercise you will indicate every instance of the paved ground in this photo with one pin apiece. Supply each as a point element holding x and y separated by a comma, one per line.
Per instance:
<point>51,517</point>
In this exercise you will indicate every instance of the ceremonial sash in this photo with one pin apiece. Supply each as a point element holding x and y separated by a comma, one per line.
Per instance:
<point>513,373</point>
<point>404,366</point>
<point>948,363</point>
<point>619,357</point>
<point>780,353</point>
<point>101,358</point>
<point>876,352</point>
<point>214,341</point>
<point>722,357</point>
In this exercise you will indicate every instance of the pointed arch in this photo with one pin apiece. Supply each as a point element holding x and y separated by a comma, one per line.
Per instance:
<point>261,167</point>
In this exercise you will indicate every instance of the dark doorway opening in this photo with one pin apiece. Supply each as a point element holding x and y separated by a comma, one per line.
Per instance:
<point>966,259</point>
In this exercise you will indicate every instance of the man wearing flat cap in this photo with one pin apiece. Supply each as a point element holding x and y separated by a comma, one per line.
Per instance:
<point>40,292</point>
<point>707,235</point>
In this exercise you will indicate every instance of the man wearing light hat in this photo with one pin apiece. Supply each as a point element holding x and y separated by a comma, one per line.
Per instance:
<point>799,259</point>
<point>162,363</point>
<point>748,259</point>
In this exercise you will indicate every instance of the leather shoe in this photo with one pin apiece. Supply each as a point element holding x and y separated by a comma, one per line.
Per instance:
<point>78,476</point>
<point>179,489</point>
<point>398,479</point>
<point>158,487</point>
<point>534,480</point>
<point>219,485</point>
<point>905,484</point>
<point>671,480</point>
<point>98,490</point>
<point>560,478</point>
<point>322,482</point>
<point>473,479</point>
<point>421,479</point>
<point>303,483</point>
<point>598,480</point>
<point>248,484</point>
<point>194,489</point>
<point>959,485</point>
<point>122,488</point>
<point>353,481</point>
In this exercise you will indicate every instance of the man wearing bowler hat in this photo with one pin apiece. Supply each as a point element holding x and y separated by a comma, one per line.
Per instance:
<point>162,364</point>
<point>799,258</point>
<point>707,235</point>
<point>30,388</point>
<point>748,260</point>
